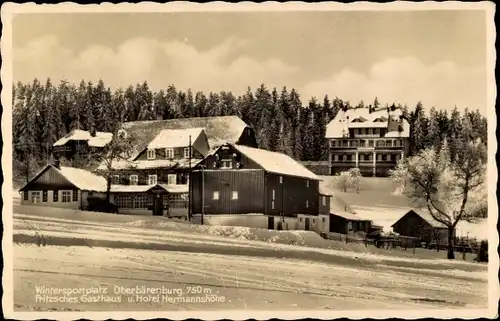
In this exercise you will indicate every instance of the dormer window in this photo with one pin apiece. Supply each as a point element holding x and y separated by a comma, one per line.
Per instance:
<point>169,153</point>
<point>151,154</point>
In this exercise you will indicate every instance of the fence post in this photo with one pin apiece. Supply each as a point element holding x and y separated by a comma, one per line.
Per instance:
<point>414,246</point>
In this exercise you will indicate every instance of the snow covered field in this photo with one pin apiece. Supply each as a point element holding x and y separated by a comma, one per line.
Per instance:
<point>99,250</point>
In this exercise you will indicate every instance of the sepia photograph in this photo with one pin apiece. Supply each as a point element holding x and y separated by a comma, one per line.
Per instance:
<point>236,161</point>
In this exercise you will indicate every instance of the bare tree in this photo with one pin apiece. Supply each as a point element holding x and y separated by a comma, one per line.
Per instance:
<point>449,188</point>
<point>118,150</point>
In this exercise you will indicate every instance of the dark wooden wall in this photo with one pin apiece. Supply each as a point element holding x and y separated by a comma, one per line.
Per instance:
<point>338,224</point>
<point>324,209</point>
<point>291,195</point>
<point>248,183</point>
<point>248,138</point>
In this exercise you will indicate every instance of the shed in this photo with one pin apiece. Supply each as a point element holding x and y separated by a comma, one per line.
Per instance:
<point>422,225</point>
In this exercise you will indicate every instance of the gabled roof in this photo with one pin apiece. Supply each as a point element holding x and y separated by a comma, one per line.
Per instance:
<point>426,216</point>
<point>80,178</point>
<point>101,139</point>
<point>275,162</point>
<point>171,138</point>
<point>379,118</point>
<point>219,130</point>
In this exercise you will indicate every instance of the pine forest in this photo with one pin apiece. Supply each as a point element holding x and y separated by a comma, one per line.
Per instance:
<point>283,121</point>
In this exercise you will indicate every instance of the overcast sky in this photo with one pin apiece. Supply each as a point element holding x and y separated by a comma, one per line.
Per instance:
<point>438,57</point>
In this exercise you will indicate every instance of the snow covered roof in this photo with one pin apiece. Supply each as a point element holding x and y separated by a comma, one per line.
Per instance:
<point>350,216</point>
<point>426,216</point>
<point>83,179</point>
<point>219,130</point>
<point>176,188</point>
<point>277,163</point>
<point>171,188</point>
<point>362,118</point>
<point>148,164</point>
<point>323,191</point>
<point>101,139</point>
<point>171,138</point>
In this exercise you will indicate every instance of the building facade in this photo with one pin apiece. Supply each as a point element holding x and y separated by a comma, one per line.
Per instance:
<point>237,179</point>
<point>371,140</point>
<point>80,142</point>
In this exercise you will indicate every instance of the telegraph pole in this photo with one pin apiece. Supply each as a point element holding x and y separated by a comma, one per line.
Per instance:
<point>189,182</point>
<point>202,193</point>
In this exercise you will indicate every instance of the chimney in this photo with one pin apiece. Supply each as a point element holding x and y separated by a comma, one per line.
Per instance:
<point>57,164</point>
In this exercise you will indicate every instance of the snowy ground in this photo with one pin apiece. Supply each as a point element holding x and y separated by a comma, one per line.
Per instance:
<point>244,282</point>
<point>93,249</point>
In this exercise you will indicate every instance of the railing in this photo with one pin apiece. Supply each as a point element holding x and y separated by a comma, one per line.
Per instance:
<point>372,143</point>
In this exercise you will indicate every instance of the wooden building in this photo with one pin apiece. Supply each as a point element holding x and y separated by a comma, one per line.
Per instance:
<point>236,179</point>
<point>373,140</point>
<point>70,187</point>
<point>345,222</point>
<point>65,187</point>
<point>161,147</point>
<point>166,159</point>
<point>423,226</point>
<point>80,142</point>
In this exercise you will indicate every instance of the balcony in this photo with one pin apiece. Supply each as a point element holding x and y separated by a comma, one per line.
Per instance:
<point>367,143</point>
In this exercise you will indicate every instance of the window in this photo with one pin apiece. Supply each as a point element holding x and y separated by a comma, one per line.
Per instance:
<point>176,200</point>
<point>307,204</point>
<point>333,143</point>
<point>379,157</point>
<point>235,195</point>
<point>134,179</point>
<point>151,154</point>
<point>75,195</point>
<point>389,157</point>
<point>314,220</point>
<point>123,201</point>
<point>186,152</point>
<point>35,197</point>
<point>169,153</point>
<point>115,180</point>
<point>397,158</point>
<point>274,194</point>
<point>172,179</point>
<point>226,164</point>
<point>401,143</point>
<point>281,179</point>
<point>370,143</point>
<point>45,196</point>
<point>55,196</point>
<point>323,200</point>
<point>362,157</point>
<point>323,219</point>
<point>336,157</point>
<point>66,196</point>
<point>152,179</point>
<point>272,205</point>
<point>300,219</point>
<point>25,195</point>
<point>142,200</point>
<point>216,195</point>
